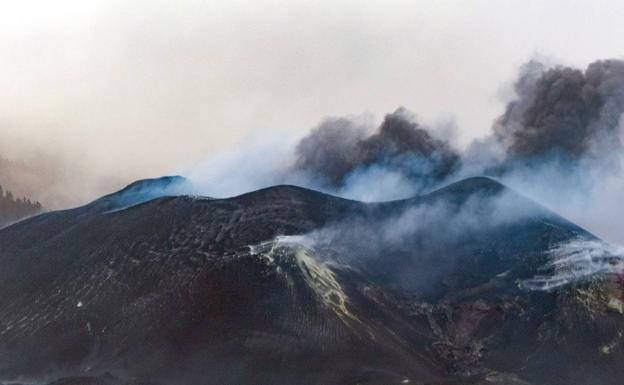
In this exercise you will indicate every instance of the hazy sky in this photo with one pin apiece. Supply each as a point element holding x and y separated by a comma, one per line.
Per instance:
<point>103,92</point>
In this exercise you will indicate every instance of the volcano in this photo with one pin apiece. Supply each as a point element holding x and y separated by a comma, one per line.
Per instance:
<point>287,285</point>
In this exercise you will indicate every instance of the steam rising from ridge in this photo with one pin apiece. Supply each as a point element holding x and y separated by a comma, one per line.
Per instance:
<point>558,141</point>
<point>577,261</point>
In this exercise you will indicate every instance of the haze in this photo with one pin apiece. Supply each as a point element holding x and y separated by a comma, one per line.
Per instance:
<point>95,94</point>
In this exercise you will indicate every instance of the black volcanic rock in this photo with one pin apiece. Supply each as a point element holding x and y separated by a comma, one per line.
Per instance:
<point>182,290</point>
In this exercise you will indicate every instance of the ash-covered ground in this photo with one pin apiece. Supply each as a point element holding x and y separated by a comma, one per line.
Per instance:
<point>291,286</point>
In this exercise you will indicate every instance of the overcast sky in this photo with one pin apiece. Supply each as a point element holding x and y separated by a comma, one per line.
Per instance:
<point>110,91</point>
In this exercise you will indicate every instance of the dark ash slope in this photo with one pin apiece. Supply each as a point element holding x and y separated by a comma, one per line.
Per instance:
<point>181,290</point>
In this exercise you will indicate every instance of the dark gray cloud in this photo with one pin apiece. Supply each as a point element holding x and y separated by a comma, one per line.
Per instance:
<point>339,147</point>
<point>564,111</point>
<point>560,142</point>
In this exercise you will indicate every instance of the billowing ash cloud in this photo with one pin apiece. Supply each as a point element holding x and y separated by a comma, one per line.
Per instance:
<point>560,142</point>
<point>564,111</point>
<point>338,148</point>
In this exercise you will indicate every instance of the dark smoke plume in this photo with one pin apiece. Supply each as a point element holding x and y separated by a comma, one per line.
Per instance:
<point>560,143</point>
<point>338,147</point>
<point>564,111</point>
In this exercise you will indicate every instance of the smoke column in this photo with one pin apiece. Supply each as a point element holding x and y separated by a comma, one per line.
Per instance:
<point>337,149</point>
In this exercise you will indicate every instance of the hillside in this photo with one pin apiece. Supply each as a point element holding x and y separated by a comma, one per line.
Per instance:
<point>291,286</point>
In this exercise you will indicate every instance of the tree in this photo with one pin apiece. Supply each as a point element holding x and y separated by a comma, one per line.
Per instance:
<point>14,209</point>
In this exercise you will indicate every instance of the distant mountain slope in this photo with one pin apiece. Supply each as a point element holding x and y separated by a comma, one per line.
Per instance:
<point>291,286</point>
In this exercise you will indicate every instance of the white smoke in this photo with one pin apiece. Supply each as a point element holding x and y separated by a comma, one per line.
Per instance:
<point>580,181</point>
<point>577,261</point>
<point>258,162</point>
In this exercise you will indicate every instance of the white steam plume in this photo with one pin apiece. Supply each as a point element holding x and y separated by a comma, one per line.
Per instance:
<point>578,261</point>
